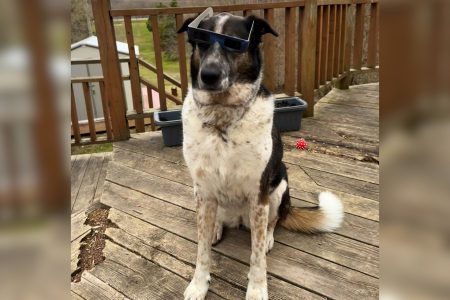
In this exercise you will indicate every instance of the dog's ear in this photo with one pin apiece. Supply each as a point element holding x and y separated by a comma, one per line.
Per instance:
<point>260,26</point>
<point>185,25</point>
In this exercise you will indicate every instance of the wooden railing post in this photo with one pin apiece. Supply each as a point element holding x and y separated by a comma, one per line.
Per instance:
<point>308,55</point>
<point>114,92</point>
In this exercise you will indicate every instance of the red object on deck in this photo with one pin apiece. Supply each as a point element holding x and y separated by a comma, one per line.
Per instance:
<point>301,144</point>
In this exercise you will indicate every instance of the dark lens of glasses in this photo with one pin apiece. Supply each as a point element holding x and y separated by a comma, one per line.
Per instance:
<point>232,44</point>
<point>201,36</point>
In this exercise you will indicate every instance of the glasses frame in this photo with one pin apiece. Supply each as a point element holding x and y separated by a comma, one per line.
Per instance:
<point>214,37</point>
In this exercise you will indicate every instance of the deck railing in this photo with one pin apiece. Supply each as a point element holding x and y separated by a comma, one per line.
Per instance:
<point>324,43</point>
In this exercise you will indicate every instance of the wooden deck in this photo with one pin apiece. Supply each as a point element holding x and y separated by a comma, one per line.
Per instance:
<point>151,255</point>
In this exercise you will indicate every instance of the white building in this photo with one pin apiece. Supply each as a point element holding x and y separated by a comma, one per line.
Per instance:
<point>87,49</point>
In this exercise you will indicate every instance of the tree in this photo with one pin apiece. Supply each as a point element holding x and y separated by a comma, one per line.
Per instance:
<point>79,16</point>
<point>167,32</point>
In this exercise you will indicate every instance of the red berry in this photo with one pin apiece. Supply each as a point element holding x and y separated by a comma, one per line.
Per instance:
<point>301,144</point>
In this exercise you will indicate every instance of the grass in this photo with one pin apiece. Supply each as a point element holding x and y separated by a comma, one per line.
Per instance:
<point>94,148</point>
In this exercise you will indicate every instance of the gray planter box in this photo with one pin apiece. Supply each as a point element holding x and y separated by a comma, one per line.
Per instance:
<point>171,127</point>
<point>288,113</point>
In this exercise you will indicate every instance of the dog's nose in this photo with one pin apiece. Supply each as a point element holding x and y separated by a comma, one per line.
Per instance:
<point>210,75</point>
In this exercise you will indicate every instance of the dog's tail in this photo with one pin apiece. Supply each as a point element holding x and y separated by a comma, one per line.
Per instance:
<point>325,217</point>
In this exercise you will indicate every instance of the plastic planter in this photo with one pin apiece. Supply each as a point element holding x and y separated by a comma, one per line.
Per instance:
<point>288,113</point>
<point>171,127</point>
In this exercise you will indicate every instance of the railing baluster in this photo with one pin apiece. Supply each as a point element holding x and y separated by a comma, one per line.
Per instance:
<point>150,105</point>
<point>359,37</point>
<point>373,36</point>
<point>149,96</point>
<point>339,42</point>
<point>89,110</point>
<point>324,50</point>
<point>301,13</point>
<point>308,50</point>
<point>182,57</point>
<point>247,12</point>
<point>331,42</point>
<point>318,45</point>
<point>289,62</point>
<point>105,106</point>
<point>74,117</point>
<point>344,38</point>
<point>159,64</point>
<point>134,74</point>
<point>269,53</point>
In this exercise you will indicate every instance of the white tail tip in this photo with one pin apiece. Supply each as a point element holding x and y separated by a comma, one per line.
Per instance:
<point>331,206</point>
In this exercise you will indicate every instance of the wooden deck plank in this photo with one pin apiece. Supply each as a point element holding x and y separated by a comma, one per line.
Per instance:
<point>102,177</point>
<point>73,158</point>
<point>77,174</point>
<point>86,193</point>
<point>304,187</point>
<point>314,146</point>
<point>317,274</point>
<point>344,184</point>
<point>77,226</point>
<point>140,235</point>
<point>138,278</point>
<point>90,287</point>
<point>358,255</point>
<point>75,251</point>
<point>170,262</point>
<point>350,195</point>
<point>75,296</point>
<point>179,173</point>
<point>340,166</point>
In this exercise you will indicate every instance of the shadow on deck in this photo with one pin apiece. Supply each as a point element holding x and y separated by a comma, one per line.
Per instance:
<point>151,255</point>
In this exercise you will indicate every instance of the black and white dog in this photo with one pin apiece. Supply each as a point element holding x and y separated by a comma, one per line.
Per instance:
<point>234,153</point>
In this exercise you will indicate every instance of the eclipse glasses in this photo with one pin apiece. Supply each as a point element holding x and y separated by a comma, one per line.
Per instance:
<point>229,43</point>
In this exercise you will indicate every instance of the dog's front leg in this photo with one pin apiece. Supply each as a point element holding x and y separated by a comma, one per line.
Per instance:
<point>257,285</point>
<point>206,215</point>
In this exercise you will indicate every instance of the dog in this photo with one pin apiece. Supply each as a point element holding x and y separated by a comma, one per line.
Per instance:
<point>234,153</point>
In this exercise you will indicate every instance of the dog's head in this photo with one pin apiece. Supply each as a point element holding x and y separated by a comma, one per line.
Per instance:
<point>220,76</point>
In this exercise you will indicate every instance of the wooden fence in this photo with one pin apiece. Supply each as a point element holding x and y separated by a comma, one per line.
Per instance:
<point>324,43</point>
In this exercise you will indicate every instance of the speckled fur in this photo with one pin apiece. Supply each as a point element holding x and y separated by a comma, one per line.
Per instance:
<point>235,155</point>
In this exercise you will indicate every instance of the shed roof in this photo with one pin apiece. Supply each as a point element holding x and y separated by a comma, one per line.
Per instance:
<point>93,42</point>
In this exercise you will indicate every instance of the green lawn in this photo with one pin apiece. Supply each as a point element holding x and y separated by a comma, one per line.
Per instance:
<point>94,148</point>
<point>144,39</point>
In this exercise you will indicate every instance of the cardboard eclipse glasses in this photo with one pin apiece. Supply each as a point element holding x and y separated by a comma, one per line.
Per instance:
<point>229,43</point>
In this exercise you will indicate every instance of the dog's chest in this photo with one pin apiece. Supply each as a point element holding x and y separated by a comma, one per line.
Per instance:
<point>228,164</point>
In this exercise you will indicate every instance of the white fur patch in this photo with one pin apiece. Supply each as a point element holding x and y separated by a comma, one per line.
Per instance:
<point>227,165</point>
<point>197,289</point>
<point>331,206</point>
<point>257,291</point>
<point>223,17</point>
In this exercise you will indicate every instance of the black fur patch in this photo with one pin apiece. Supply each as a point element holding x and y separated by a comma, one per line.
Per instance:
<point>275,170</point>
<point>285,205</point>
<point>263,91</point>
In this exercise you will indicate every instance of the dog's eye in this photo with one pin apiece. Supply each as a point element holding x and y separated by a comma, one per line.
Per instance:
<point>202,46</point>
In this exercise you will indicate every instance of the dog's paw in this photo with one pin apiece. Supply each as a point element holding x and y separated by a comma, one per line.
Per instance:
<point>217,235</point>
<point>269,242</point>
<point>196,290</point>
<point>257,291</point>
